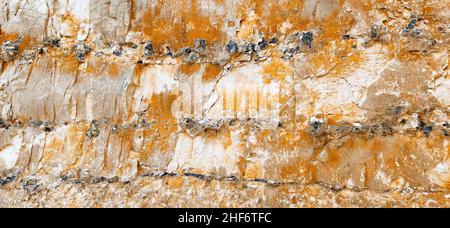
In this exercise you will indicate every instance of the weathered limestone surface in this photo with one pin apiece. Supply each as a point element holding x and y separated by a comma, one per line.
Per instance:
<point>211,103</point>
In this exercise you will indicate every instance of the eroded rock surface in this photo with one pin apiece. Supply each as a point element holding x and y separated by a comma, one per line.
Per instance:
<point>255,103</point>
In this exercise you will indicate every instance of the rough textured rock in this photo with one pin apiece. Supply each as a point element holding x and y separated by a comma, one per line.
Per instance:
<point>254,103</point>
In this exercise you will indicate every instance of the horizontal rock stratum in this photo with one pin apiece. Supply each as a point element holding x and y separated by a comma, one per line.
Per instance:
<point>212,103</point>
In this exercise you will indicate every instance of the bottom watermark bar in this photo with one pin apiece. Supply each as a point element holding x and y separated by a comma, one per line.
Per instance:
<point>215,217</point>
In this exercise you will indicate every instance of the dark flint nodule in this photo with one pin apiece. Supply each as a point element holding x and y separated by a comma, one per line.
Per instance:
<point>200,44</point>
<point>11,47</point>
<point>3,124</point>
<point>188,50</point>
<point>56,42</point>
<point>356,129</point>
<point>373,32</point>
<point>289,53</point>
<point>115,128</point>
<point>315,127</point>
<point>7,180</point>
<point>81,57</point>
<point>232,47</point>
<point>168,52</point>
<point>148,49</point>
<point>143,123</point>
<point>18,123</point>
<point>274,40</point>
<point>421,125</point>
<point>192,57</point>
<point>187,123</point>
<point>346,37</point>
<point>263,44</point>
<point>117,52</point>
<point>427,130</point>
<point>250,48</point>
<point>198,176</point>
<point>51,41</point>
<point>411,24</point>
<point>93,132</point>
<point>81,50</point>
<point>48,128</point>
<point>307,38</point>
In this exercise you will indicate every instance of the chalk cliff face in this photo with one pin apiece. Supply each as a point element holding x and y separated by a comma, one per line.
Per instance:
<point>212,103</point>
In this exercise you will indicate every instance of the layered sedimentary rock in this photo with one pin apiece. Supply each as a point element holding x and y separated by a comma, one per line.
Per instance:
<point>314,103</point>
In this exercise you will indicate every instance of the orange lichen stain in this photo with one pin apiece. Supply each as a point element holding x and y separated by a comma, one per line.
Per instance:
<point>335,56</point>
<point>149,145</point>
<point>69,64</point>
<point>72,22</point>
<point>287,141</point>
<point>270,18</point>
<point>211,72</point>
<point>447,185</point>
<point>3,66</point>
<point>448,151</point>
<point>98,68</point>
<point>241,165</point>
<point>334,156</point>
<point>65,64</point>
<point>347,22</point>
<point>376,146</point>
<point>179,26</point>
<point>334,118</point>
<point>161,107</point>
<point>8,36</point>
<point>189,69</point>
<point>253,171</point>
<point>247,27</point>
<point>27,41</point>
<point>175,182</point>
<point>298,168</point>
<point>407,56</point>
<point>231,24</point>
<point>331,29</point>
<point>113,70</point>
<point>332,65</point>
<point>277,69</point>
<point>94,68</point>
<point>126,146</point>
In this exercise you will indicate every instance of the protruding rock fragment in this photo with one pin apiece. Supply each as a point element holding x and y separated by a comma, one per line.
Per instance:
<point>9,50</point>
<point>317,126</point>
<point>93,131</point>
<point>262,44</point>
<point>232,47</point>
<point>200,44</point>
<point>307,38</point>
<point>411,24</point>
<point>80,50</point>
<point>148,49</point>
